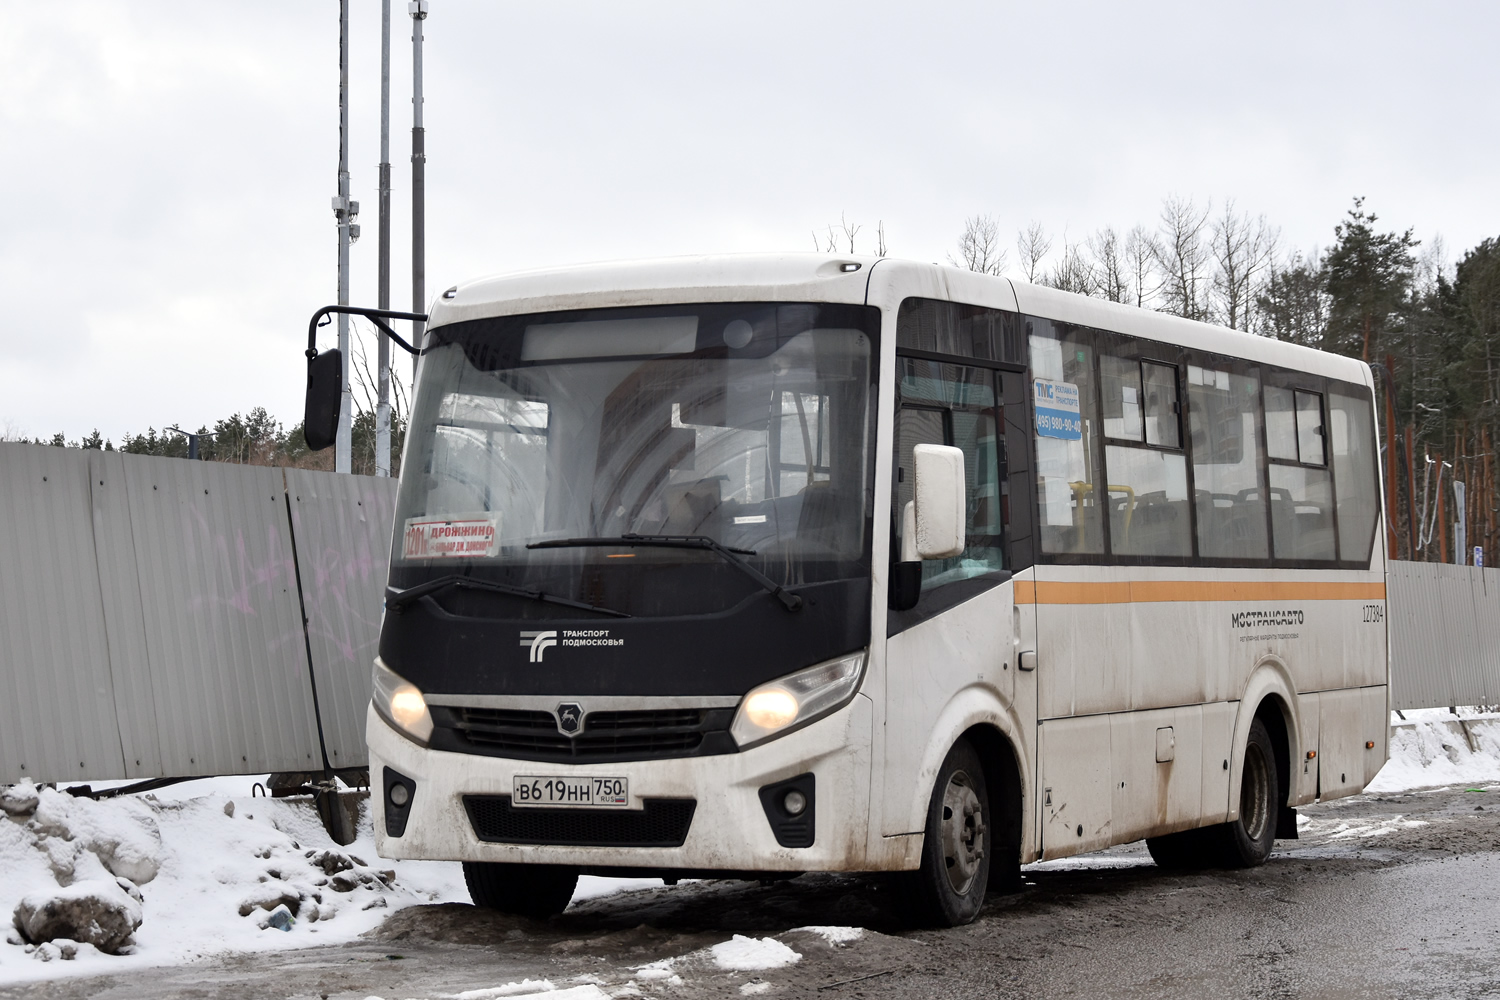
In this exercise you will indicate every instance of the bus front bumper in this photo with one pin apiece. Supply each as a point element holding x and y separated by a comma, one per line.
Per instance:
<point>730,829</point>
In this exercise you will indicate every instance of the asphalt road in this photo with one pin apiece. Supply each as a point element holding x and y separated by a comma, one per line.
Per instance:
<point>1395,896</point>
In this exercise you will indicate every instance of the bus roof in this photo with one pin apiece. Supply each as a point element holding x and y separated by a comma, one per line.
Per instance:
<point>817,277</point>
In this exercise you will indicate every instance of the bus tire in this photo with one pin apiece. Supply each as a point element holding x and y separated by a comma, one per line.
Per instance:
<point>527,890</point>
<point>957,845</point>
<point>1247,841</point>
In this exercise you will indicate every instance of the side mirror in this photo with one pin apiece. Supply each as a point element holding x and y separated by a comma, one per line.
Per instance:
<point>938,512</point>
<point>325,387</point>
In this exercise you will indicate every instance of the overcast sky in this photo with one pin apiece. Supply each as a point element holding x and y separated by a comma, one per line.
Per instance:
<point>167,167</point>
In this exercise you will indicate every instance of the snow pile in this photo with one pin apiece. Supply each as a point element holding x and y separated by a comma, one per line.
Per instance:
<point>835,936</point>
<point>1432,747</point>
<point>747,954</point>
<point>98,912</point>
<point>163,880</point>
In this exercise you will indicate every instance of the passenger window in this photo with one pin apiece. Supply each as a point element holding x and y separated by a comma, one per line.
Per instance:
<point>1358,491</point>
<point>1230,491</point>
<point>1147,488</point>
<point>1162,427</point>
<point>1301,490</point>
<point>953,405</point>
<point>1281,425</point>
<point>1310,428</point>
<point>1070,489</point>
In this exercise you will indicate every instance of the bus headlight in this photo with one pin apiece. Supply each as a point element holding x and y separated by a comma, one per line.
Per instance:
<point>400,703</point>
<point>778,707</point>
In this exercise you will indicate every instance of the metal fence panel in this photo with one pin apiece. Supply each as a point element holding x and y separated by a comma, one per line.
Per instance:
<point>223,629</point>
<point>57,697</point>
<point>343,529</point>
<point>1444,635</point>
<point>119,588</point>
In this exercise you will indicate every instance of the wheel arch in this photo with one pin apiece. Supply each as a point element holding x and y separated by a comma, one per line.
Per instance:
<point>976,714</point>
<point>1004,782</point>
<point>1269,696</point>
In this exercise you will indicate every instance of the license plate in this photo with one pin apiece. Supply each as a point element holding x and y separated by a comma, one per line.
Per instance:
<point>593,793</point>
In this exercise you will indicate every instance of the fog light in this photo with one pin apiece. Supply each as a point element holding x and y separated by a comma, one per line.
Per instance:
<point>400,795</point>
<point>794,802</point>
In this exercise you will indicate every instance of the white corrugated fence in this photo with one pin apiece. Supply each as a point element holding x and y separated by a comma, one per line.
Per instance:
<point>150,620</point>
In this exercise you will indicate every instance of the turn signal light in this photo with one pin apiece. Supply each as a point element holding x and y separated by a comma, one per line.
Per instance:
<point>1311,754</point>
<point>1369,744</point>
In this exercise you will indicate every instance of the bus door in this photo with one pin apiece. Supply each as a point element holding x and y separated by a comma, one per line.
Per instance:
<point>955,627</point>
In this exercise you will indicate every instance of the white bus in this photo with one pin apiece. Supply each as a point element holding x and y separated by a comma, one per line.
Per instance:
<point>773,564</point>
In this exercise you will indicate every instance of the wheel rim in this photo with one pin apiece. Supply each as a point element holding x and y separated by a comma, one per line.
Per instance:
<point>962,832</point>
<point>1255,806</point>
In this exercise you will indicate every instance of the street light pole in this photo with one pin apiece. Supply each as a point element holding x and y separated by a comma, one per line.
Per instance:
<point>344,211</point>
<point>383,292</point>
<point>418,11</point>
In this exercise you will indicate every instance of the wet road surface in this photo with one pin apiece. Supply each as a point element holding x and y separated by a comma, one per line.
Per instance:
<point>1394,896</point>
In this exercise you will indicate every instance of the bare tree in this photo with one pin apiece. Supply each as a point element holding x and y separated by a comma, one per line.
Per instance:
<point>1034,244</point>
<point>1110,267</point>
<point>1073,272</point>
<point>1184,258</point>
<point>1141,252</point>
<point>880,247</point>
<point>1243,249</point>
<point>849,230</point>
<point>979,247</point>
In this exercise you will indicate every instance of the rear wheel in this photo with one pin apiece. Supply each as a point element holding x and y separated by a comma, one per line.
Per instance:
<point>948,889</point>
<point>1247,841</point>
<point>529,890</point>
<point>1241,843</point>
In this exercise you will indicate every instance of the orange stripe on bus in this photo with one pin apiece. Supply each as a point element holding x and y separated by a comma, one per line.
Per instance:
<point>1159,591</point>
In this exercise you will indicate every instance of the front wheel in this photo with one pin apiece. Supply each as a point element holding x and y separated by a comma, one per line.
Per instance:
<point>948,889</point>
<point>528,890</point>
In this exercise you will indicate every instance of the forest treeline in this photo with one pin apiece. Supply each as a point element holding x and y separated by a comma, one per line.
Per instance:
<point>1430,329</point>
<point>257,438</point>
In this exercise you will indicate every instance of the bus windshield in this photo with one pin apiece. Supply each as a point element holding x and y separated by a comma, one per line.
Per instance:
<point>746,424</point>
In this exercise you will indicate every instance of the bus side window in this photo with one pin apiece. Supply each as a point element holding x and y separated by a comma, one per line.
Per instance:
<point>1301,490</point>
<point>1229,487</point>
<point>1353,447</point>
<point>952,405</point>
<point>1068,484</point>
<point>1149,514</point>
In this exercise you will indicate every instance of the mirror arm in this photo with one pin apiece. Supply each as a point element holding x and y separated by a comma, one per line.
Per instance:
<point>376,316</point>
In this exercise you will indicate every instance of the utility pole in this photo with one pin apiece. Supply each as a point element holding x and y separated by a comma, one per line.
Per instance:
<point>345,211</point>
<point>383,293</point>
<point>418,11</point>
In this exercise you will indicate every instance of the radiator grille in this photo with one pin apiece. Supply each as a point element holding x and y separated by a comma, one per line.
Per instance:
<point>605,736</point>
<point>662,823</point>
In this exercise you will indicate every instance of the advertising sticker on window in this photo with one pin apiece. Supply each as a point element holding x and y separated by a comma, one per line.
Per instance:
<point>1057,414</point>
<point>467,536</point>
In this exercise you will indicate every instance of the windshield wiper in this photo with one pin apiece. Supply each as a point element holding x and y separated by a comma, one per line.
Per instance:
<point>402,598</point>
<point>733,556</point>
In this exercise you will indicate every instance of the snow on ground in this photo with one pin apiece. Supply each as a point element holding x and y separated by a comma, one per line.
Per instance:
<point>200,857</point>
<point>203,853</point>
<point>1432,747</point>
